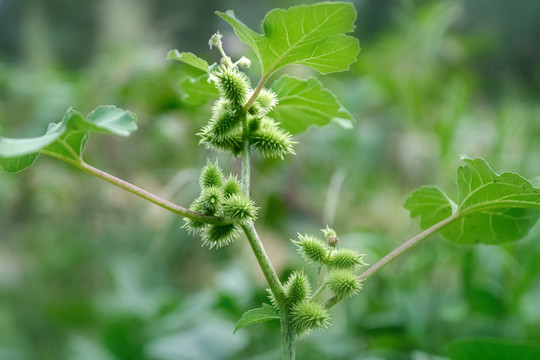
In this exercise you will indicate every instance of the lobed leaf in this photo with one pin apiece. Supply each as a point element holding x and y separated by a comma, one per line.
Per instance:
<point>190,59</point>
<point>304,102</point>
<point>67,138</point>
<point>311,35</point>
<point>258,315</point>
<point>492,208</point>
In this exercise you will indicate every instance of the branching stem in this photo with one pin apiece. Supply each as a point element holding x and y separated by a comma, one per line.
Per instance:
<point>396,253</point>
<point>136,190</point>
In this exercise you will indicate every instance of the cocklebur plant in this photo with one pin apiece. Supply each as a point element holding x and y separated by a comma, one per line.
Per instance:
<point>490,208</point>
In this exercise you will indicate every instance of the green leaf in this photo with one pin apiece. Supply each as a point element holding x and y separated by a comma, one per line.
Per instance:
<point>258,315</point>
<point>302,103</point>
<point>198,91</point>
<point>493,349</point>
<point>190,59</point>
<point>311,35</point>
<point>67,138</point>
<point>492,209</point>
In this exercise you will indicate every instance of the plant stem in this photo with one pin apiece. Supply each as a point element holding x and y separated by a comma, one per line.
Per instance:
<point>137,190</point>
<point>256,91</point>
<point>266,267</point>
<point>288,336</point>
<point>246,156</point>
<point>397,252</point>
<point>318,291</point>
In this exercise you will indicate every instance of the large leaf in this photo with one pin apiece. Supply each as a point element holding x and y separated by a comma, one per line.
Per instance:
<point>66,138</point>
<point>189,58</point>
<point>253,316</point>
<point>492,209</point>
<point>491,349</point>
<point>198,91</point>
<point>305,102</point>
<point>312,35</point>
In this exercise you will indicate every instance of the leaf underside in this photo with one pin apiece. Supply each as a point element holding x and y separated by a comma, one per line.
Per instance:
<point>67,138</point>
<point>305,102</point>
<point>311,35</point>
<point>491,208</point>
<point>258,315</point>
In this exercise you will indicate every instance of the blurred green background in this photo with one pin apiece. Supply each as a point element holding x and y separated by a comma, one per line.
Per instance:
<point>88,272</point>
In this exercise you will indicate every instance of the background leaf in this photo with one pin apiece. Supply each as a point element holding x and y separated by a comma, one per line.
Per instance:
<point>66,138</point>
<point>198,91</point>
<point>189,58</point>
<point>311,35</point>
<point>253,316</point>
<point>492,209</point>
<point>492,349</point>
<point>305,102</point>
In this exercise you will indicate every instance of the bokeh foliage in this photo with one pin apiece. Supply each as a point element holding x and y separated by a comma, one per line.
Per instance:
<point>88,272</point>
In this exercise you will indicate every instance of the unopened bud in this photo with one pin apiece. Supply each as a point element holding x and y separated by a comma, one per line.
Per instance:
<point>244,62</point>
<point>331,236</point>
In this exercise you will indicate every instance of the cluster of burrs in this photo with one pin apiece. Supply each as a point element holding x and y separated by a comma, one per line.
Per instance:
<point>233,122</point>
<point>221,197</point>
<point>309,310</point>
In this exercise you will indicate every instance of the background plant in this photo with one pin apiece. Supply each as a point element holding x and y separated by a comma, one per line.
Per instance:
<point>386,124</point>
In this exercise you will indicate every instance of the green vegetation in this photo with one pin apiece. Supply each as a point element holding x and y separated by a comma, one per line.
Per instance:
<point>154,297</point>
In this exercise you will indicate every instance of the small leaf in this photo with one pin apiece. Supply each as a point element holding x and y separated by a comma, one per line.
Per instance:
<point>311,35</point>
<point>492,209</point>
<point>258,315</point>
<point>66,138</point>
<point>198,91</point>
<point>493,349</point>
<point>302,103</point>
<point>190,59</point>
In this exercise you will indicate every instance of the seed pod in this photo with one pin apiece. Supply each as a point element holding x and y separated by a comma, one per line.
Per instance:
<point>308,315</point>
<point>331,236</point>
<point>225,119</point>
<point>297,288</point>
<point>239,208</point>
<point>193,226</point>
<point>273,300</point>
<point>343,283</point>
<point>346,259</point>
<point>232,84</point>
<point>266,101</point>
<point>231,143</point>
<point>313,250</point>
<point>231,186</point>
<point>211,199</point>
<point>211,175</point>
<point>271,141</point>
<point>216,236</point>
<point>254,123</point>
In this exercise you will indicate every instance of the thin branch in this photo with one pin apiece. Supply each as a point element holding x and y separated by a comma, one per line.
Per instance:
<point>264,262</point>
<point>397,252</point>
<point>177,209</point>
<point>256,92</point>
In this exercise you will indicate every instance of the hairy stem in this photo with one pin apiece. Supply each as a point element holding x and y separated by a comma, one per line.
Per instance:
<point>288,336</point>
<point>137,190</point>
<point>264,262</point>
<point>397,252</point>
